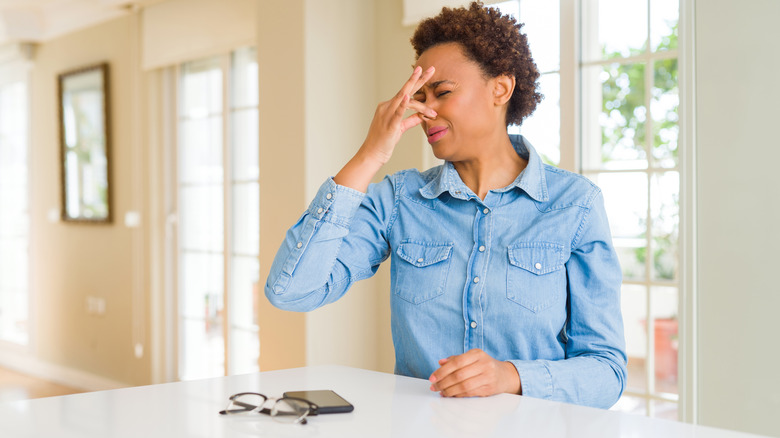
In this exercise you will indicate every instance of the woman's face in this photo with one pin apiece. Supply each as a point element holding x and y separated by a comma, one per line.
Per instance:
<point>464,101</point>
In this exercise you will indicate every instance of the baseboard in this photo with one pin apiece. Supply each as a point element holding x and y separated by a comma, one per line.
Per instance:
<point>22,362</point>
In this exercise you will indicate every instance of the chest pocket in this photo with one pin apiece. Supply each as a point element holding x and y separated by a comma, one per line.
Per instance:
<point>535,277</point>
<point>420,273</point>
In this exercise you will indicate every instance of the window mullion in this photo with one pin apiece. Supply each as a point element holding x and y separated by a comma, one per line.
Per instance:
<point>687,361</point>
<point>174,219</point>
<point>227,176</point>
<point>648,79</point>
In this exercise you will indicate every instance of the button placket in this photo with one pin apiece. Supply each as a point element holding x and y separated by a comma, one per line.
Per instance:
<point>474,309</point>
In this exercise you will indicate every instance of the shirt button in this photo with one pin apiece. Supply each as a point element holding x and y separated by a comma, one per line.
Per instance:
<point>473,324</point>
<point>486,210</point>
<point>538,266</point>
<point>319,211</point>
<point>329,196</point>
<point>482,248</point>
<point>476,279</point>
<point>299,244</point>
<point>420,260</point>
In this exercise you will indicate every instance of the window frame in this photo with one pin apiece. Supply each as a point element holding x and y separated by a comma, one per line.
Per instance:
<point>571,158</point>
<point>18,70</point>
<point>228,183</point>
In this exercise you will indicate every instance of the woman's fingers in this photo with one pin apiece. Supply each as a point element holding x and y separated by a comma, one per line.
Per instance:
<point>421,112</point>
<point>421,108</point>
<point>411,121</point>
<point>416,81</point>
<point>424,77</point>
<point>474,373</point>
<point>403,100</point>
<point>389,123</point>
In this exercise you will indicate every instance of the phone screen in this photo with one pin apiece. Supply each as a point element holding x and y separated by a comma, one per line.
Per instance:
<point>327,401</point>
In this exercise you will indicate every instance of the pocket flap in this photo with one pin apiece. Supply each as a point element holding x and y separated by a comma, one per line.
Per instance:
<point>425,253</point>
<point>537,257</point>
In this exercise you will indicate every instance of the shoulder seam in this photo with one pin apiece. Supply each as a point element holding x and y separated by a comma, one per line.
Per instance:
<point>588,208</point>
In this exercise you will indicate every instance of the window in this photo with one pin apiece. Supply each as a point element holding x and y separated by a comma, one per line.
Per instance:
<point>630,129</point>
<point>218,198</point>
<point>14,215</point>
<point>541,20</point>
<point>628,137</point>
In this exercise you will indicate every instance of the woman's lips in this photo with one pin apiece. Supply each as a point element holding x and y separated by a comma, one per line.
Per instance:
<point>435,134</point>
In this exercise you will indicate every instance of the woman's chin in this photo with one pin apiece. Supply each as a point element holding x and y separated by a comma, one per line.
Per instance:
<point>440,152</point>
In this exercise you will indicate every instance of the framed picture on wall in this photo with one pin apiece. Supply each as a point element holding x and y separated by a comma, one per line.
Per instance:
<point>85,144</point>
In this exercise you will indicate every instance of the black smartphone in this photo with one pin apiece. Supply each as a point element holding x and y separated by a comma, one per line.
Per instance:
<point>326,400</point>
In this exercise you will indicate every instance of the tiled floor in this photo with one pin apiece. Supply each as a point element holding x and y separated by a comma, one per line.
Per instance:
<point>15,386</point>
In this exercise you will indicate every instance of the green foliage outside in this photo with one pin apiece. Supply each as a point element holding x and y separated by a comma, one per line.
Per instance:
<point>624,123</point>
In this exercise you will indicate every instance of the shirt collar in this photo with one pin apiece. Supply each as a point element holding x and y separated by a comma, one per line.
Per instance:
<point>531,180</point>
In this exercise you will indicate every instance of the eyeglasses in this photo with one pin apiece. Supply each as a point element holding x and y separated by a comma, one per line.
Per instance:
<point>286,409</point>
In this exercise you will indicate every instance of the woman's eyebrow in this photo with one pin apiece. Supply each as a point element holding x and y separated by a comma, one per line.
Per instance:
<point>435,84</point>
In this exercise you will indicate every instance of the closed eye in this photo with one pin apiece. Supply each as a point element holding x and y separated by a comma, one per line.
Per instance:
<point>442,93</point>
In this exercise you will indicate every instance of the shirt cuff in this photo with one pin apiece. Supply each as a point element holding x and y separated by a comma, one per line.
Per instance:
<point>335,203</point>
<point>535,378</point>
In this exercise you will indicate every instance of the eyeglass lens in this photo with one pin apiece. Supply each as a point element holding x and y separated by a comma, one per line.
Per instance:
<point>285,410</point>
<point>247,402</point>
<point>290,410</point>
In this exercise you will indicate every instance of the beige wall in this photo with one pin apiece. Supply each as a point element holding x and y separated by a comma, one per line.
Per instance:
<point>738,213</point>
<point>281,64</point>
<point>340,98</point>
<point>73,261</point>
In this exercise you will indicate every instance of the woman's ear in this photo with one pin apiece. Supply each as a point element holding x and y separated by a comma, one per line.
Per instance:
<point>503,87</point>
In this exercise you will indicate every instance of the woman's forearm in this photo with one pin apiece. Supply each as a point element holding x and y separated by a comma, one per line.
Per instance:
<point>359,171</point>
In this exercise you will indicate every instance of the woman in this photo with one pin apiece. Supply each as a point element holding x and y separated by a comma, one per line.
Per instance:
<point>504,278</point>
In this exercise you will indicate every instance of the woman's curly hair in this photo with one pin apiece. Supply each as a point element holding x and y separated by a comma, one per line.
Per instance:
<point>494,42</point>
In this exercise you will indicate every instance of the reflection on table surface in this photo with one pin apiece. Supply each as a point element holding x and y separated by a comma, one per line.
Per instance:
<point>385,406</point>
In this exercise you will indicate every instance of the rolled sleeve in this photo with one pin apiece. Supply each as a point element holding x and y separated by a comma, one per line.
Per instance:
<point>335,203</point>
<point>312,266</point>
<point>535,378</point>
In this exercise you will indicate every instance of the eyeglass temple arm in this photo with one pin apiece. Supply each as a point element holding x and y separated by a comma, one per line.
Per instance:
<point>246,406</point>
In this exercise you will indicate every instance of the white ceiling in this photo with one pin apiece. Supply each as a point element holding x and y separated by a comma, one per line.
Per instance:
<point>40,20</point>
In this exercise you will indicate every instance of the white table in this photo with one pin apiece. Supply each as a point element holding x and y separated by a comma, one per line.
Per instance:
<point>385,406</point>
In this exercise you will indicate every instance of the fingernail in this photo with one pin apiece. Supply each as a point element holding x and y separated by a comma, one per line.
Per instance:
<point>432,388</point>
<point>432,379</point>
<point>432,114</point>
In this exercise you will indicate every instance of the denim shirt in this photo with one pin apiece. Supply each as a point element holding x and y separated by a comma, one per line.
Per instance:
<point>529,275</point>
